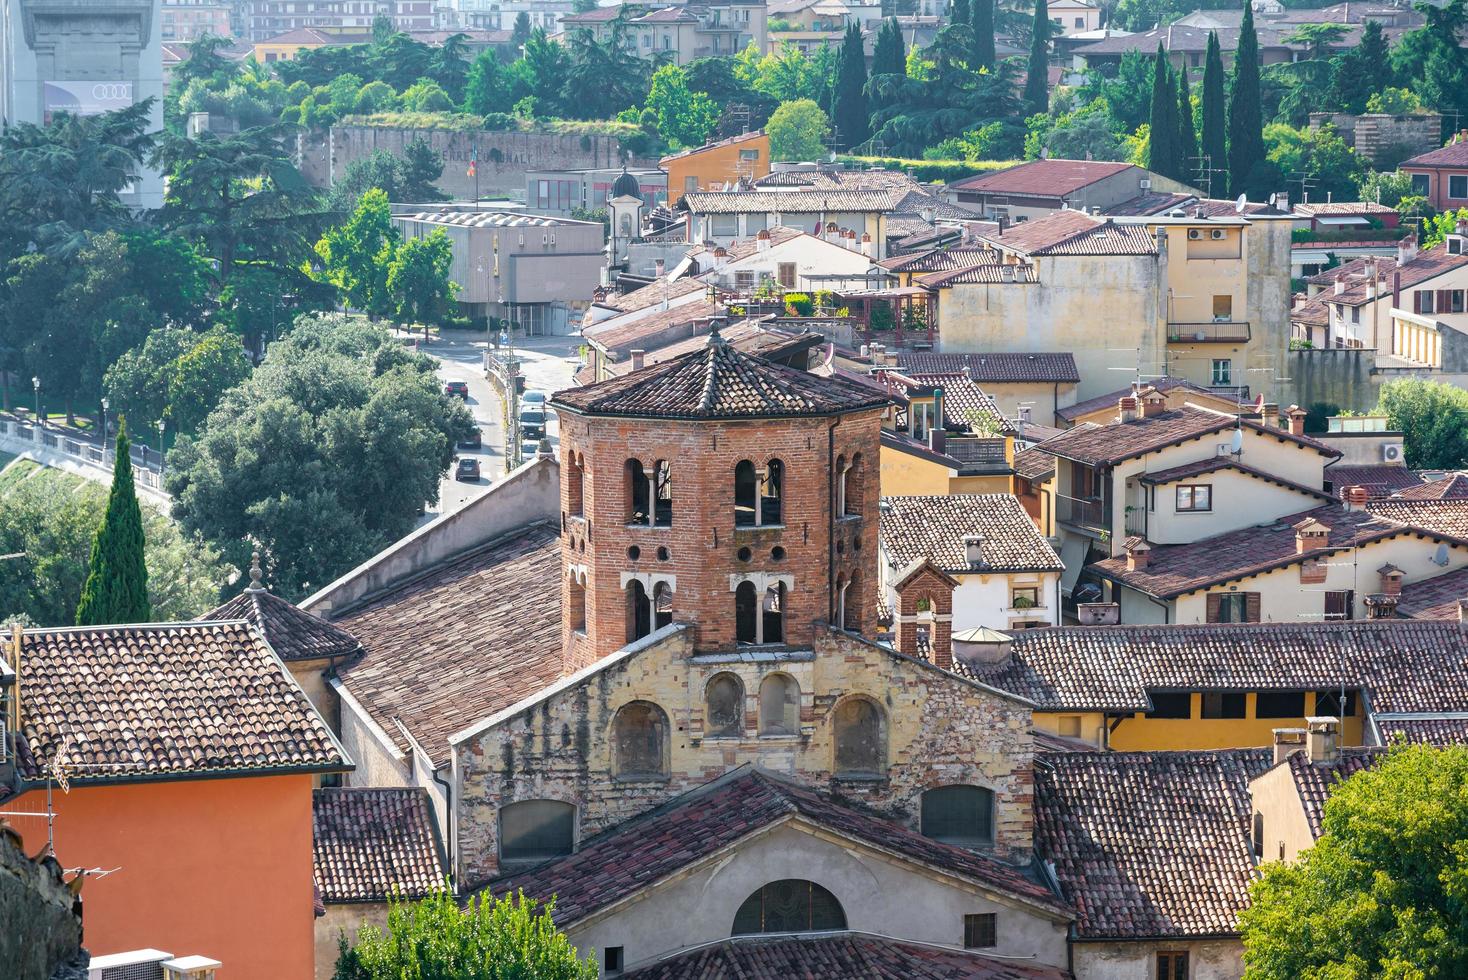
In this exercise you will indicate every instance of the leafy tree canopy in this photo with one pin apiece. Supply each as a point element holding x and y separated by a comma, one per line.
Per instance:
<point>798,131</point>
<point>1433,419</point>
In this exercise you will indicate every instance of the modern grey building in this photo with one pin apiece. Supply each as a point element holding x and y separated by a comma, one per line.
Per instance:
<point>85,57</point>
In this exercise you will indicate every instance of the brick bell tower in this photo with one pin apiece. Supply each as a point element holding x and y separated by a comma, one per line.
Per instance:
<point>720,490</point>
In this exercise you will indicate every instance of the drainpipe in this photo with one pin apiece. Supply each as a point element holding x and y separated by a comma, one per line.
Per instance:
<point>453,841</point>
<point>831,523</point>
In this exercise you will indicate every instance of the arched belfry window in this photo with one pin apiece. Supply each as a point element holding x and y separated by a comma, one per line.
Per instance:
<point>791,905</point>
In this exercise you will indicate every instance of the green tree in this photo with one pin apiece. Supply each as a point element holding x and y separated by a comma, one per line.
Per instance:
<point>520,32</point>
<point>1245,125</point>
<point>199,376</point>
<point>1439,226</point>
<point>798,131</point>
<point>684,117</point>
<point>1387,188</point>
<point>1433,418</point>
<point>1317,39</point>
<point>981,23</point>
<point>959,13</point>
<point>1162,151</point>
<point>322,456</point>
<point>849,113</point>
<point>889,56</point>
<point>116,589</point>
<point>544,66</point>
<point>510,938</point>
<point>1394,101</point>
<point>1381,893</point>
<point>1213,138</point>
<point>356,256</point>
<point>608,76</point>
<point>491,86</point>
<point>1439,35</point>
<point>1187,136</point>
<point>1082,134</point>
<point>426,95</point>
<point>1333,166</point>
<point>1037,81</point>
<point>418,279</point>
<point>1361,71</point>
<point>409,178</point>
<point>137,383</point>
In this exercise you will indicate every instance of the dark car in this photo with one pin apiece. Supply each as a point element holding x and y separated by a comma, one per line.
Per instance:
<point>467,471</point>
<point>532,423</point>
<point>473,440</point>
<point>457,389</point>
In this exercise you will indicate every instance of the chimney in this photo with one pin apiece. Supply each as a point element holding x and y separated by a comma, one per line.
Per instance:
<point>1396,290</point>
<point>637,359</point>
<point>980,646</point>
<point>1309,535</point>
<point>1340,284</point>
<point>866,244</point>
<point>1127,408</point>
<point>1287,741</point>
<point>721,257</point>
<point>659,268</point>
<point>1356,498</point>
<point>1153,403</point>
<point>937,439</point>
<point>1269,414</point>
<point>1137,552</point>
<point>1391,579</point>
<point>1406,250</point>
<point>762,240</point>
<point>1324,744</point>
<point>1462,614</point>
<point>973,548</point>
<point>1297,420</point>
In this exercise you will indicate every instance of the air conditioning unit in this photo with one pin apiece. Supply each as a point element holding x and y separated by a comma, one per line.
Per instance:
<point>139,964</point>
<point>1145,183</point>
<point>1391,452</point>
<point>1195,234</point>
<point>1217,234</point>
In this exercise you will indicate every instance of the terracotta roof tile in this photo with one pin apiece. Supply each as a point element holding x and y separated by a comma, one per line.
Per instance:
<point>653,294</point>
<point>750,336</point>
<point>1441,731</point>
<point>1112,443</point>
<point>662,841</point>
<point>374,843</point>
<point>1379,480</point>
<point>1315,780</point>
<point>1451,487</point>
<point>1215,464</point>
<point>836,957</point>
<point>1447,516</point>
<point>132,702</point>
<point>719,382</point>
<point>730,141</point>
<point>1328,208</point>
<point>743,248</point>
<point>1068,232</point>
<point>458,643</point>
<point>1034,464</point>
<point>1149,844</point>
<point>1041,178</point>
<point>1434,598</point>
<point>984,273</point>
<point>1112,398</point>
<point>641,329</point>
<point>1455,154</point>
<point>292,633</point>
<point>789,202</point>
<point>994,367</point>
<point>938,260</point>
<point>933,527</point>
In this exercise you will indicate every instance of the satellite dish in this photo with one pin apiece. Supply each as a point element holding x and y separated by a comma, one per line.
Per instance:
<point>1441,557</point>
<point>1241,203</point>
<point>1238,441</point>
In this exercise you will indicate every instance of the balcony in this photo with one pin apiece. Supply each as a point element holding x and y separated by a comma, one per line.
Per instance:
<point>1090,513</point>
<point>1209,332</point>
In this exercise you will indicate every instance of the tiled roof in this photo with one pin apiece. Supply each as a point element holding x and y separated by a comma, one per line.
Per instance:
<point>938,260</point>
<point>1158,202</point>
<point>1111,399</point>
<point>1034,464</point>
<point>1434,598</point>
<point>650,847</point>
<point>1177,569</point>
<point>730,141</point>
<point>651,295</point>
<point>1068,232</point>
<point>1426,264</point>
<point>1110,444</point>
<point>986,273</point>
<point>1379,480</point>
<point>1149,844</point>
<point>750,336</point>
<point>1314,780</point>
<point>1214,464</point>
<point>1441,731</point>
<point>994,367</point>
<point>1406,665</point>
<point>1455,154</point>
<point>458,643</point>
<point>1313,311</point>
<point>719,382</point>
<point>743,248</point>
<point>1447,516</point>
<point>594,15</point>
<point>1041,178</point>
<point>666,15</point>
<point>965,405</point>
<point>1333,208</point>
<point>133,702</point>
<point>291,632</point>
<point>1452,487</point>
<point>374,843</point>
<point>933,527</point>
<point>832,179</point>
<point>789,202</point>
<point>620,334</point>
<point>836,957</point>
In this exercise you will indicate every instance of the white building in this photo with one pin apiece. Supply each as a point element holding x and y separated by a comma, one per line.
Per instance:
<point>784,256</point>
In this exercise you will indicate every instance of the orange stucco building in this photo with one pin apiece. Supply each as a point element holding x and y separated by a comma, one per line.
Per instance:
<point>190,753</point>
<point>711,166</point>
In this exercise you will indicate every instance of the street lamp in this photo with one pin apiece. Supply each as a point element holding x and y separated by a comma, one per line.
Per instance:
<point>105,405</point>
<point>36,384</point>
<point>161,426</point>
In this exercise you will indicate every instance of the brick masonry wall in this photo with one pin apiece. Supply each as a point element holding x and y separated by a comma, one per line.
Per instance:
<point>940,730</point>
<point>703,544</point>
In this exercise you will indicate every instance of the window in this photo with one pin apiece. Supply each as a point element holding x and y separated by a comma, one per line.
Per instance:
<point>639,611</point>
<point>1172,966</point>
<point>536,830</point>
<point>636,490</point>
<point>1080,22</point>
<point>1171,704</point>
<point>724,715</point>
<point>852,488</point>
<point>1195,497</point>
<point>575,478</point>
<point>1222,371</point>
<point>744,280</point>
<point>1422,301</point>
<point>779,705</point>
<point>861,736</point>
<point>772,615</point>
<point>662,605</point>
<point>724,225</point>
<point>746,623</point>
<point>1279,704</point>
<point>1223,308</point>
<point>791,905</point>
<point>1421,185</point>
<point>612,961</point>
<point>749,156</point>
<point>1355,314</point>
<point>578,606</point>
<point>979,931</point>
<point>1457,294</point>
<point>662,475</point>
<point>962,815</point>
<point>1223,704</point>
<point>1339,605</point>
<point>690,185</point>
<point>1329,704</point>
<point>1458,186</point>
<point>755,223</point>
<point>1024,596</point>
<point>770,492</point>
<point>640,741</point>
<point>744,494</point>
<point>1233,607</point>
<point>785,273</point>
<point>1258,834</point>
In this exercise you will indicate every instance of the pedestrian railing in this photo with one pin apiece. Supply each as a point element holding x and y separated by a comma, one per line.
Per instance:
<point>89,453</point>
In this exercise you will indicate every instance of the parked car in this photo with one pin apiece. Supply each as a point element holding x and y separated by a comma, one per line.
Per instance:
<point>473,440</point>
<point>532,423</point>
<point>533,399</point>
<point>467,470</point>
<point>457,389</point>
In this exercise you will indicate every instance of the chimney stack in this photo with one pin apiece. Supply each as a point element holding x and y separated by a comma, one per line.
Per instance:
<point>1406,250</point>
<point>1324,744</point>
<point>638,359</point>
<point>1356,498</point>
<point>762,240</point>
<point>1287,741</point>
<point>1309,535</point>
<point>1391,579</point>
<point>1153,402</point>
<point>1463,614</point>
<point>981,645</point>
<point>973,548</point>
<point>659,268</point>
<point>1127,408</point>
<point>1269,414</point>
<point>1137,552</point>
<point>1297,420</point>
<point>938,439</point>
<point>1340,284</point>
<point>866,244</point>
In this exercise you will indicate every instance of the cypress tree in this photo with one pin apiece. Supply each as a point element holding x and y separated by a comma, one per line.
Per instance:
<point>1187,139</point>
<point>981,22</point>
<point>1245,121</point>
<point>1213,144</point>
<point>1162,146</point>
<point>1037,83</point>
<point>960,12</point>
<point>849,105</point>
<point>116,590</point>
<point>888,55</point>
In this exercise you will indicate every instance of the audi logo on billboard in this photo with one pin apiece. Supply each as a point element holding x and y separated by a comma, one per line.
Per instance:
<point>86,98</point>
<point>113,92</point>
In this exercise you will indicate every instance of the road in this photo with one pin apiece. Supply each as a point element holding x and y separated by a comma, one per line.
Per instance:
<point>548,364</point>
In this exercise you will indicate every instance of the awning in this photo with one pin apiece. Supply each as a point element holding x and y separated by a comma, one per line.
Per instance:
<point>1344,221</point>
<point>1073,552</point>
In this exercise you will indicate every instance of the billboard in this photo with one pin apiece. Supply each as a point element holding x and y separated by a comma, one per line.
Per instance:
<point>86,98</point>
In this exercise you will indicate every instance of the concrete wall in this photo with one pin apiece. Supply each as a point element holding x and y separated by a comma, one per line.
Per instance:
<point>379,761</point>
<point>878,894</point>
<point>1043,399</point>
<point>341,919</point>
<point>1339,376</point>
<point>528,495</point>
<point>1286,828</point>
<point>1384,139</point>
<point>1238,501</point>
<point>985,600</point>
<point>1209,959</point>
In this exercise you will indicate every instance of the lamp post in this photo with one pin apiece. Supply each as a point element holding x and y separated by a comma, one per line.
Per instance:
<point>36,384</point>
<point>105,405</point>
<point>161,426</point>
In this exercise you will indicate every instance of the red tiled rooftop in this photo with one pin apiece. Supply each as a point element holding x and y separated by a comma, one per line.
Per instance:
<point>1041,178</point>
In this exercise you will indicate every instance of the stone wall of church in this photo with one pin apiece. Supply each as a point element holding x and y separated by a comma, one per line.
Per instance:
<point>938,730</point>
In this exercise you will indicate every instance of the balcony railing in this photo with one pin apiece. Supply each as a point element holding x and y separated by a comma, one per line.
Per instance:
<point>1089,512</point>
<point>1209,332</point>
<point>977,452</point>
